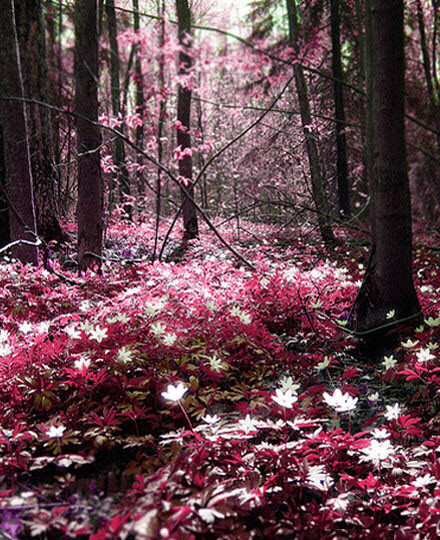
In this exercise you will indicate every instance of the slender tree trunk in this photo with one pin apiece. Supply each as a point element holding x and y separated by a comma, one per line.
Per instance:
<point>190,223</point>
<point>34,61</point>
<point>434,108</point>
<point>318,191</point>
<point>388,284</point>
<point>161,121</point>
<point>15,133</point>
<point>5,233</point>
<point>121,177</point>
<point>140,103</point>
<point>338,90</point>
<point>90,188</point>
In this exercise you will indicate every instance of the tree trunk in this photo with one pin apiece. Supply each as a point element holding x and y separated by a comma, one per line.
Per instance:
<point>184,117</point>
<point>388,284</point>
<point>34,66</point>
<point>5,233</point>
<point>434,107</point>
<point>318,191</point>
<point>140,104</point>
<point>121,176</point>
<point>15,133</point>
<point>90,188</point>
<point>338,90</point>
<point>161,121</point>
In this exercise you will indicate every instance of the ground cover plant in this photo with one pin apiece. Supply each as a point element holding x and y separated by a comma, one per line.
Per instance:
<point>200,399</point>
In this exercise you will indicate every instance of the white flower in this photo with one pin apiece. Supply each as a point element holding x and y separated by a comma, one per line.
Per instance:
<point>82,363</point>
<point>391,314</point>
<point>211,419</point>
<point>318,477</point>
<point>72,332</point>
<point>85,305</point>
<point>323,365</point>
<point>158,329</point>
<point>339,401</point>
<point>4,336</point>
<point>433,323</point>
<point>25,327</point>
<point>245,318</point>
<point>5,349</point>
<point>98,333</point>
<point>380,433</point>
<point>377,451</point>
<point>124,355</point>
<point>174,393</point>
<point>374,397</point>
<point>209,514</point>
<point>424,355</point>
<point>55,431</point>
<point>409,344</point>
<point>289,384</point>
<point>389,362</point>
<point>423,481</point>
<point>169,339</point>
<point>248,424</point>
<point>285,399</point>
<point>339,503</point>
<point>216,364</point>
<point>393,412</point>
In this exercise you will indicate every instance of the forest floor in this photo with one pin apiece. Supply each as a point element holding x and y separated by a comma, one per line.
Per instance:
<point>197,398</point>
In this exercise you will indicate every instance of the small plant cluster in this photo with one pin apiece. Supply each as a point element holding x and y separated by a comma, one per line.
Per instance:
<point>200,399</point>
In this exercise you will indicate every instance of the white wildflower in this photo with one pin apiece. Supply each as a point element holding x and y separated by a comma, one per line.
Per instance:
<point>174,393</point>
<point>339,401</point>
<point>393,412</point>
<point>54,431</point>
<point>285,399</point>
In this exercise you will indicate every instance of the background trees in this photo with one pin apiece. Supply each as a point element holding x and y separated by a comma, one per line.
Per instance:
<point>90,187</point>
<point>18,185</point>
<point>254,148</point>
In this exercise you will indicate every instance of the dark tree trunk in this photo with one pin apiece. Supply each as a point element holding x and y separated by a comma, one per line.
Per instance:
<point>161,121</point>
<point>318,191</point>
<point>184,116</point>
<point>90,188</point>
<point>5,233</point>
<point>338,90</point>
<point>15,133</point>
<point>434,107</point>
<point>388,284</point>
<point>121,177</point>
<point>34,66</point>
<point>140,103</point>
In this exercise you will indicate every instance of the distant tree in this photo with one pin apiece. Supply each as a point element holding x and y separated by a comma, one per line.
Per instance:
<point>15,133</point>
<point>190,223</point>
<point>338,90</point>
<point>119,151</point>
<point>5,233</point>
<point>30,25</point>
<point>318,191</point>
<point>90,185</point>
<point>388,284</point>
<point>140,100</point>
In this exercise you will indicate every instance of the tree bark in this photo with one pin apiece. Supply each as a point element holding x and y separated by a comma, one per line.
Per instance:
<point>318,191</point>
<point>34,62</point>
<point>90,188</point>
<point>190,223</point>
<point>140,102</point>
<point>338,91</point>
<point>121,176</point>
<point>15,133</point>
<point>5,233</point>
<point>388,284</point>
